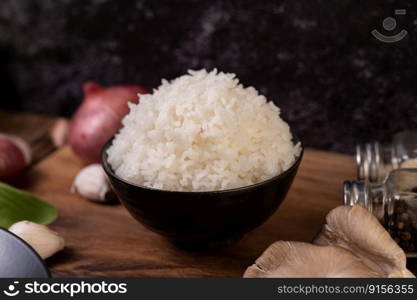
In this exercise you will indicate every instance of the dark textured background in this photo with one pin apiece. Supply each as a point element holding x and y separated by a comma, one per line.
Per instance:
<point>317,60</point>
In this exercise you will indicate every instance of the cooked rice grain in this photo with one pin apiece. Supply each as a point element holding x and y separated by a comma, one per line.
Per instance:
<point>202,132</point>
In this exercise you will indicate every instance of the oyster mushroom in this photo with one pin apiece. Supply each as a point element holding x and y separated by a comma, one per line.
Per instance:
<point>355,229</point>
<point>409,163</point>
<point>352,244</point>
<point>298,259</point>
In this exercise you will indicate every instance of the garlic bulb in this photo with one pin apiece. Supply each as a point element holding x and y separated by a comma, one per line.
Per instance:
<point>92,183</point>
<point>43,240</point>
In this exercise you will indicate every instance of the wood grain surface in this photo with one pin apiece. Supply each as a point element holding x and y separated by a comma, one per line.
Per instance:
<point>33,128</point>
<point>105,241</point>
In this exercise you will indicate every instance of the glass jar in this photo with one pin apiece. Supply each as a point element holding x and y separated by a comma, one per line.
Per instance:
<point>393,202</point>
<point>375,160</point>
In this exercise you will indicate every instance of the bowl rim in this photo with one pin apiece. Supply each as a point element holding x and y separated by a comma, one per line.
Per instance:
<point>109,171</point>
<point>35,254</point>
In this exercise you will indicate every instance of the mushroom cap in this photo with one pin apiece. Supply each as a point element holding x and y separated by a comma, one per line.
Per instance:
<point>355,229</point>
<point>298,259</point>
<point>352,244</point>
<point>409,163</point>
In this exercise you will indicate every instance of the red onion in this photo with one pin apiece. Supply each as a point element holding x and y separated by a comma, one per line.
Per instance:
<point>99,118</point>
<point>14,155</point>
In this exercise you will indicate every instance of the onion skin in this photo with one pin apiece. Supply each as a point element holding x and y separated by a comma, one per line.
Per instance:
<point>99,118</point>
<point>12,159</point>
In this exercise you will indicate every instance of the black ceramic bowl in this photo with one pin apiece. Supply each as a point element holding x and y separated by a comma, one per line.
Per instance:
<point>202,219</point>
<point>19,260</point>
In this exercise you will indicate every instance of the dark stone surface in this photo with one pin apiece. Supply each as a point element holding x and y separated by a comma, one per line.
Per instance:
<point>335,83</point>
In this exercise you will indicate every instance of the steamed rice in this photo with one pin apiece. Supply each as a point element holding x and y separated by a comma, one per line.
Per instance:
<point>202,132</point>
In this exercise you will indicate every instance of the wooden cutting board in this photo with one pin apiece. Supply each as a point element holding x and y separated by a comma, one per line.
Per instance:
<point>103,240</point>
<point>106,241</point>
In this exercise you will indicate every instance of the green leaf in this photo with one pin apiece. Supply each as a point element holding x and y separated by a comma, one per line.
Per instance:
<point>17,205</point>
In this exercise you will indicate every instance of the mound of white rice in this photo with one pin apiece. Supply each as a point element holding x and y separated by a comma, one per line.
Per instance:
<point>202,132</point>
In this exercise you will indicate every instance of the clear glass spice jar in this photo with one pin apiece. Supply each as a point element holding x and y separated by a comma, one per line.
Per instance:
<point>393,202</point>
<point>375,160</point>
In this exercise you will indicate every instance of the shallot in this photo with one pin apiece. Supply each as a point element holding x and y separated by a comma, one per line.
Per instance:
<point>15,155</point>
<point>99,118</point>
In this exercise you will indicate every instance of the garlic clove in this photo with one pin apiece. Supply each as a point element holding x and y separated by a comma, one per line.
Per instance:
<point>43,240</point>
<point>92,183</point>
<point>59,132</point>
